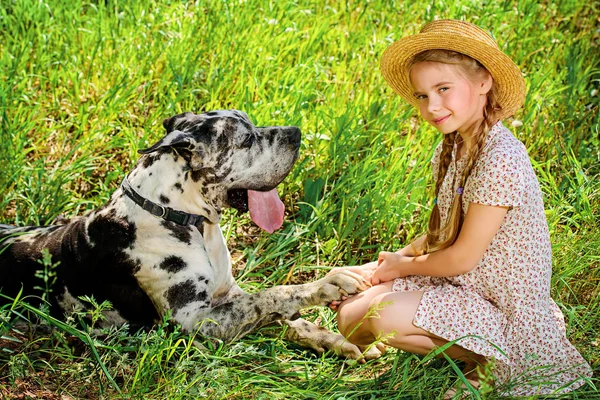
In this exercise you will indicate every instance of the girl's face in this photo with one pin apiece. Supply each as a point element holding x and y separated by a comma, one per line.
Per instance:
<point>449,100</point>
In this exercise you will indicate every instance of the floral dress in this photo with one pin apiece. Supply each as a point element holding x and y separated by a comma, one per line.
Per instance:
<point>502,309</point>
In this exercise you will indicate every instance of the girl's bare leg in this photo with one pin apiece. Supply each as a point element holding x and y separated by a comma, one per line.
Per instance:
<point>394,322</point>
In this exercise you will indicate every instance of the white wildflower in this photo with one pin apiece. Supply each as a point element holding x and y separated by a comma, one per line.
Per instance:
<point>516,123</point>
<point>594,92</point>
<point>273,22</point>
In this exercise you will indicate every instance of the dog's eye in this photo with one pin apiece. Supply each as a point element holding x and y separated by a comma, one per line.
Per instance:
<point>248,141</point>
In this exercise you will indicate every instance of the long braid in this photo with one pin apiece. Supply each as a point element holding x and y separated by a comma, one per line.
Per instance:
<point>444,163</point>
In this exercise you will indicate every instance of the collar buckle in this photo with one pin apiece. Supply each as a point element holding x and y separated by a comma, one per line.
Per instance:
<point>153,208</point>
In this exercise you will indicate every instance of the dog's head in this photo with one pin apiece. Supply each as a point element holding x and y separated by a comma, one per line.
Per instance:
<point>229,156</point>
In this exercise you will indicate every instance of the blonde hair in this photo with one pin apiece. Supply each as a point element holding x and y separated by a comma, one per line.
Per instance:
<point>438,236</point>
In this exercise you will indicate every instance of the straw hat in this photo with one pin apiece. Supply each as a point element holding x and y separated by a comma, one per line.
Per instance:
<point>462,37</point>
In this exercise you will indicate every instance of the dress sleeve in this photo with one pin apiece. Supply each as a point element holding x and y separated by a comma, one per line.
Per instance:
<point>497,178</point>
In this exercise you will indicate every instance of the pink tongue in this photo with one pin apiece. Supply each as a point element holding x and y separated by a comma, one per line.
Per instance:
<point>266,209</point>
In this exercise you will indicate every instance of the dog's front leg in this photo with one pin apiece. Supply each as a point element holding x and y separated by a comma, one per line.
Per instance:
<point>247,312</point>
<point>315,337</point>
<point>311,336</point>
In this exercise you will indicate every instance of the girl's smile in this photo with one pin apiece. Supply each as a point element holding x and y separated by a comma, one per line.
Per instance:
<point>439,121</point>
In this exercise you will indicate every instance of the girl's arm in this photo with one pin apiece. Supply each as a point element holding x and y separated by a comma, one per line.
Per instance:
<point>479,228</point>
<point>366,270</point>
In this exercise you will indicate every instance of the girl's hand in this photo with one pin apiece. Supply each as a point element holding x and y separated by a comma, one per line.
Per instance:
<point>336,303</point>
<point>365,271</point>
<point>389,267</point>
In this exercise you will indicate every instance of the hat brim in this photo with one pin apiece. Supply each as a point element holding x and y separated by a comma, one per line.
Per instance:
<point>509,81</point>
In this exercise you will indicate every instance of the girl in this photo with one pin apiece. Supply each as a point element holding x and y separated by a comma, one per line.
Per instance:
<point>480,276</point>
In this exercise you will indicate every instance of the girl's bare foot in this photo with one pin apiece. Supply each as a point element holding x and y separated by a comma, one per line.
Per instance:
<point>470,371</point>
<point>461,392</point>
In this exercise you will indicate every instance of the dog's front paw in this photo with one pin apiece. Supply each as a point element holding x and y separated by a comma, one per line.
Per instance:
<point>343,348</point>
<point>333,287</point>
<point>321,340</point>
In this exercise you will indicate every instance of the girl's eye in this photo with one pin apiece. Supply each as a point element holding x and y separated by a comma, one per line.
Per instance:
<point>420,96</point>
<point>443,89</point>
<point>248,141</point>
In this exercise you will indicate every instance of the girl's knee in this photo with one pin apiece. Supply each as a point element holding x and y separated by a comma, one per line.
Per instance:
<point>393,313</point>
<point>349,316</point>
<point>353,313</point>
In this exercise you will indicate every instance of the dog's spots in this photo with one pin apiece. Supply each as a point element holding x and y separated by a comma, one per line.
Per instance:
<point>150,174</point>
<point>202,279</point>
<point>202,132</point>
<point>201,229</point>
<point>184,293</point>
<point>181,294</point>
<point>180,232</point>
<point>164,199</point>
<point>271,136</point>
<point>109,231</point>
<point>178,186</point>
<point>173,264</point>
<point>125,262</point>
<point>258,310</point>
<point>324,298</point>
<point>223,140</point>
<point>150,159</point>
<point>237,315</point>
<point>198,174</point>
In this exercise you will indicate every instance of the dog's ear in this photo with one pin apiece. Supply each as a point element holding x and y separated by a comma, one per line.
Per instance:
<point>175,139</point>
<point>181,121</point>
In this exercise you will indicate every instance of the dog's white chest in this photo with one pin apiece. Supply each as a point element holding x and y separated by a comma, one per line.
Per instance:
<point>202,267</point>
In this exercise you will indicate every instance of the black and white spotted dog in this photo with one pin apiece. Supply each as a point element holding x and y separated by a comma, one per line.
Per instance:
<point>157,245</point>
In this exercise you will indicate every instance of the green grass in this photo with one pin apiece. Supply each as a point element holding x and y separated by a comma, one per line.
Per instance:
<point>83,86</point>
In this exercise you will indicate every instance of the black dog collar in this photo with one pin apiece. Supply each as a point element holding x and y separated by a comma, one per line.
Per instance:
<point>166,213</point>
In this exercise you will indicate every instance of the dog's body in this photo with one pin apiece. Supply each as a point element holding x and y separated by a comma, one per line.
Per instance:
<point>146,265</point>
